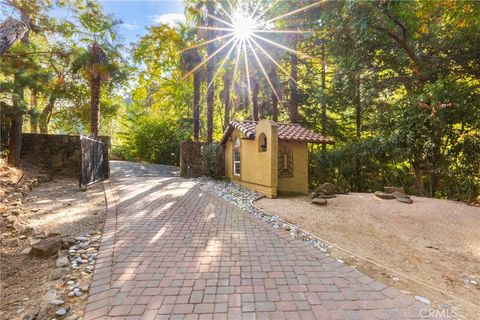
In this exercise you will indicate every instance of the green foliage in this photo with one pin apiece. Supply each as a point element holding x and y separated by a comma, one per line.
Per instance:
<point>213,161</point>
<point>152,140</point>
<point>40,80</point>
<point>399,80</point>
<point>380,166</point>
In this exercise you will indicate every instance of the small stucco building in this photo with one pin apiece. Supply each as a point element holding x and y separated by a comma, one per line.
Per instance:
<point>268,157</point>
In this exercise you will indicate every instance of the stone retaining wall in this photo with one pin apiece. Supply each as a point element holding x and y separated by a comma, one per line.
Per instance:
<point>191,165</point>
<point>59,153</point>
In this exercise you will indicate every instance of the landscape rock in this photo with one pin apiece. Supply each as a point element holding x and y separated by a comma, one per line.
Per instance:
<point>61,313</point>
<point>327,188</point>
<point>391,189</point>
<point>383,195</point>
<point>46,247</point>
<point>398,194</point>
<point>423,299</point>
<point>52,234</point>
<point>404,200</point>
<point>62,262</point>
<point>15,212</point>
<point>58,273</point>
<point>26,250</point>
<point>68,241</point>
<point>10,243</point>
<point>319,201</point>
<point>327,196</point>
<point>57,302</point>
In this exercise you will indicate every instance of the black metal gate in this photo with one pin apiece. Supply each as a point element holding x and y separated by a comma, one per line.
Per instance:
<point>94,163</point>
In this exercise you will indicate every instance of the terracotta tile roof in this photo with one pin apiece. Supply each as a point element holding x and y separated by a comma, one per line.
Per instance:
<point>286,132</point>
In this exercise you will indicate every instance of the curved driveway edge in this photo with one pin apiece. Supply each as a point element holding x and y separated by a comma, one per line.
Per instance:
<point>171,250</point>
<point>100,289</point>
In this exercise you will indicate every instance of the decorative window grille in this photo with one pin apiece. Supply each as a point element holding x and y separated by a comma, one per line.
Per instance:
<point>236,157</point>
<point>285,162</point>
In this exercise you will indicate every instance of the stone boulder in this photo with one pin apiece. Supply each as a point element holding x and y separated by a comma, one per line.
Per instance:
<point>68,241</point>
<point>397,195</point>
<point>319,201</point>
<point>327,196</point>
<point>58,273</point>
<point>383,195</point>
<point>327,188</point>
<point>10,243</point>
<point>391,189</point>
<point>404,200</point>
<point>46,247</point>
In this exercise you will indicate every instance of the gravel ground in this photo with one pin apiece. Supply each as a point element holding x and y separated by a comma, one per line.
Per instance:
<point>46,288</point>
<point>59,206</point>
<point>435,242</point>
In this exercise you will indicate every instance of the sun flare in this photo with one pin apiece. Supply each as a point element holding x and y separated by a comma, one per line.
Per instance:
<point>243,25</point>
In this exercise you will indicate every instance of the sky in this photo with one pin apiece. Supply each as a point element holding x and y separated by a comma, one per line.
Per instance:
<point>138,15</point>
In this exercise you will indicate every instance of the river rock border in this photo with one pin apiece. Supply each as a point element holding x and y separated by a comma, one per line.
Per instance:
<point>245,198</point>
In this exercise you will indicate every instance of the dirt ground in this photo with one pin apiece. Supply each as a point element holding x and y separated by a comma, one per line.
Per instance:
<point>434,242</point>
<point>53,207</point>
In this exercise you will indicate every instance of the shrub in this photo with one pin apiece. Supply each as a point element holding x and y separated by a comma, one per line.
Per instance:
<point>213,161</point>
<point>152,140</point>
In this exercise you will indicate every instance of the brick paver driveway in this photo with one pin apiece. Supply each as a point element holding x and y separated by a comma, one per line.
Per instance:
<point>171,250</point>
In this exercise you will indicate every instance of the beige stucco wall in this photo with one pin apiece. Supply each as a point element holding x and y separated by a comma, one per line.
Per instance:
<point>298,184</point>
<point>259,170</point>
<point>228,158</point>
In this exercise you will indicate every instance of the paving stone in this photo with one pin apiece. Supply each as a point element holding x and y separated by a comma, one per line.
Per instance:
<point>172,249</point>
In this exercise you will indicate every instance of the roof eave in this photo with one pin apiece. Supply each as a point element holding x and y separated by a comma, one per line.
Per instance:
<point>309,141</point>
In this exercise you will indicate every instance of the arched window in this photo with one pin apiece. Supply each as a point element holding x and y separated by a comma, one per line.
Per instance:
<point>236,156</point>
<point>262,143</point>
<point>285,162</point>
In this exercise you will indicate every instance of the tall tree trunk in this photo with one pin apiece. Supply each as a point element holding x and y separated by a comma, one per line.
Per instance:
<point>436,154</point>
<point>197,77</point>
<point>261,111</point>
<point>293,106</point>
<point>210,74</point>
<point>33,112</point>
<point>11,30</point>
<point>33,122</point>
<point>358,127</point>
<point>95,82</point>
<point>324,100</point>
<point>418,172</point>
<point>274,79</point>
<point>15,143</point>
<point>226,97</point>
<point>274,107</point>
<point>255,89</point>
<point>46,115</point>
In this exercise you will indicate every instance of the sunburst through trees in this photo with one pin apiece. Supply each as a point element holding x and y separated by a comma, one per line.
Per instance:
<point>245,28</point>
